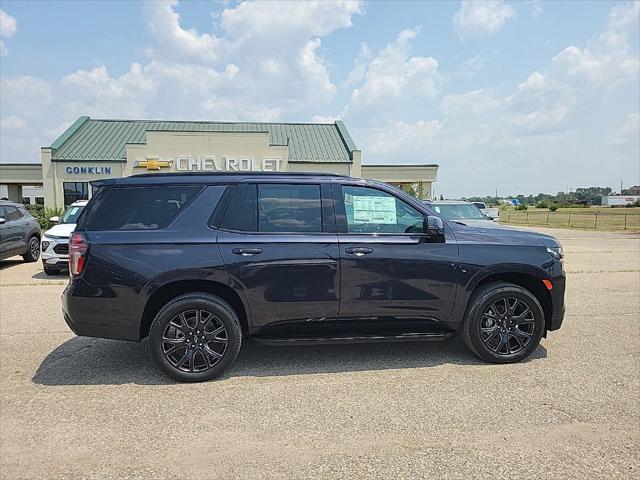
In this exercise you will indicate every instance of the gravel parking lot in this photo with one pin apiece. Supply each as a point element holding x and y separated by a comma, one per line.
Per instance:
<point>86,408</point>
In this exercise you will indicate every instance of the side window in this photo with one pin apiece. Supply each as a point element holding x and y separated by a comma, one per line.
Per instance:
<point>289,208</point>
<point>74,191</point>
<point>140,208</point>
<point>369,210</point>
<point>11,213</point>
<point>274,208</point>
<point>242,210</point>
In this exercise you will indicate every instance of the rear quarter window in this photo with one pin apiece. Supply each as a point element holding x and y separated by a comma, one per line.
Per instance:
<point>140,208</point>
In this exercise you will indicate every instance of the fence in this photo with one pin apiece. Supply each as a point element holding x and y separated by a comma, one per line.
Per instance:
<point>598,221</point>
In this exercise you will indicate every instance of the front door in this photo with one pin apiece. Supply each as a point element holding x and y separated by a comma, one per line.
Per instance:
<point>280,249</point>
<point>389,268</point>
<point>12,232</point>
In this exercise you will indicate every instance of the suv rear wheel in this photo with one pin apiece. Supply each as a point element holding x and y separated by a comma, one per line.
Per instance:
<point>195,337</point>
<point>33,250</point>
<point>504,323</point>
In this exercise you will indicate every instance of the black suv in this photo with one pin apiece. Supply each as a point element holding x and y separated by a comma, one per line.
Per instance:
<point>197,262</point>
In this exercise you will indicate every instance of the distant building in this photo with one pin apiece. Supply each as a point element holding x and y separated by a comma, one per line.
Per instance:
<point>92,149</point>
<point>619,200</point>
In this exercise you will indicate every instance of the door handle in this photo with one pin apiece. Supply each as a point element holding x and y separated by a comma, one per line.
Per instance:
<point>358,251</point>
<point>247,252</point>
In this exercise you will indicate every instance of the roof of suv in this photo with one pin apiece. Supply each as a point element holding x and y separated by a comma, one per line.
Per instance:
<point>205,177</point>
<point>9,202</point>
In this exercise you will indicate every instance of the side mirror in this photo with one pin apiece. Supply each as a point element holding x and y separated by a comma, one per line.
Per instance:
<point>434,228</point>
<point>55,219</point>
<point>2,221</point>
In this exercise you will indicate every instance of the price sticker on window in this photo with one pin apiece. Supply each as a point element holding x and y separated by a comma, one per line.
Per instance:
<point>380,210</point>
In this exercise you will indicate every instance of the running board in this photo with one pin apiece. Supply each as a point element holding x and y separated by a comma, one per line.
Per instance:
<point>405,337</point>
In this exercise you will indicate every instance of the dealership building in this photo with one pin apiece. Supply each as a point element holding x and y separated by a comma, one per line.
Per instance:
<point>92,149</point>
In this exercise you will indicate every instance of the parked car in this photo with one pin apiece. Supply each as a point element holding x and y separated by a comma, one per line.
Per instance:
<point>201,262</point>
<point>55,241</point>
<point>491,212</point>
<point>19,232</point>
<point>460,211</point>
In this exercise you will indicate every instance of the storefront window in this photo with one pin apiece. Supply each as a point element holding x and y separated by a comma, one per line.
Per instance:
<point>74,191</point>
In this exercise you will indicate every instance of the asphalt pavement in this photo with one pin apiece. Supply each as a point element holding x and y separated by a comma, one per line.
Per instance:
<point>74,407</point>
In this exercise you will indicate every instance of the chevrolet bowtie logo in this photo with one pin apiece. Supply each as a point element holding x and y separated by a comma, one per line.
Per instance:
<point>154,164</point>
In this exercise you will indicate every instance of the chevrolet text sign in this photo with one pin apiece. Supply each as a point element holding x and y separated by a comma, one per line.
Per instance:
<point>206,163</point>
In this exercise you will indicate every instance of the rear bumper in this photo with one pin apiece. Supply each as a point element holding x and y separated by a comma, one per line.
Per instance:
<point>98,312</point>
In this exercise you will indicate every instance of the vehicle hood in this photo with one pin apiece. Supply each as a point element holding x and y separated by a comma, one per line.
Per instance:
<point>62,230</point>
<point>487,231</point>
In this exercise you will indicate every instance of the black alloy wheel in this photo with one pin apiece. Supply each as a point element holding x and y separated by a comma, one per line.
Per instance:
<point>194,341</point>
<point>504,323</point>
<point>507,325</point>
<point>33,250</point>
<point>195,337</point>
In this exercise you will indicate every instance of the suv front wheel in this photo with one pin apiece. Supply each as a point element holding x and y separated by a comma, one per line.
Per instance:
<point>504,323</point>
<point>195,337</point>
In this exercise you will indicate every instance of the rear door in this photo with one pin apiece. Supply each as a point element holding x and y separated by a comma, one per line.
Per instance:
<point>390,271</point>
<point>280,248</point>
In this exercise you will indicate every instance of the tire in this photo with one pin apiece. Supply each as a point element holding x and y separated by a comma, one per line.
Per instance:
<point>33,250</point>
<point>501,337</point>
<point>172,334</point>
<point>51,270</point>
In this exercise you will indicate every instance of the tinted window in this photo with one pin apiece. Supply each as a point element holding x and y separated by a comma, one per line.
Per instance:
<point>74,191</point>
<point>373,211</point>
<point>11,213</point>
<point>274,208</point>
<point>289,208</point>
<point>140,208</point>
<point>459,211</point>
<point>242,211</point>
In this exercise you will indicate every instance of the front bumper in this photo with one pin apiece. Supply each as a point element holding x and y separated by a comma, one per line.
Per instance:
<point>56,252</point>
<point>557,299</point>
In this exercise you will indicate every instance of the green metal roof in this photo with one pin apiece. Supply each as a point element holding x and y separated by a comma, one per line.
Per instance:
<point>105,140</point>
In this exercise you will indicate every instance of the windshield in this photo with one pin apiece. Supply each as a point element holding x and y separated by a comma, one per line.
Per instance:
<point>462,211</point>
<point>71,215</point>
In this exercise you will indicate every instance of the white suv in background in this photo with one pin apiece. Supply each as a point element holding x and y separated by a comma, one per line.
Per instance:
<point>55,241</point>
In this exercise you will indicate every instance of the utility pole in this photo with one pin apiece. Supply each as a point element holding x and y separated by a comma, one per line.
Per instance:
<point>620,187</point>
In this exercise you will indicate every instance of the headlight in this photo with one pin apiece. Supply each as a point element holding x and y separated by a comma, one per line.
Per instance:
<point>556,252</point>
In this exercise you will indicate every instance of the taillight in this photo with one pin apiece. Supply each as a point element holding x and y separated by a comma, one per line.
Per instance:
<point>78,247</point>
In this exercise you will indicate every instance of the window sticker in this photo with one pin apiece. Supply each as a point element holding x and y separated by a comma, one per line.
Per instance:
<point>380,210</point>
<point>437,209</point>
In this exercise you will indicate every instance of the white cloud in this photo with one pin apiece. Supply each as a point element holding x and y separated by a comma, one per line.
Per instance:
<point>393,73</point>
<point>607,57</point>
<point>356,75</point>
<point>481,17</point>
<point>11,124</point>
<point>391,81</point>
<point>628,133</point>
<point>265,63</point>
<point>384,141</point>
<point>174,41</point>
<point>275,49</point>
<point>8,26</point>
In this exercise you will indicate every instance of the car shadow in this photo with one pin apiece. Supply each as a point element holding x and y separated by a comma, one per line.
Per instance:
<point>90,361</point>
<point>10,263</point>
<point>43,276</point>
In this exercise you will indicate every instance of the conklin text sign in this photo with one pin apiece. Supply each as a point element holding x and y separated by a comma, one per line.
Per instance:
<point>208,163</point>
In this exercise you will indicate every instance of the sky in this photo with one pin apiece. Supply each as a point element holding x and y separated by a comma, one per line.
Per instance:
<point>514,97</point>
